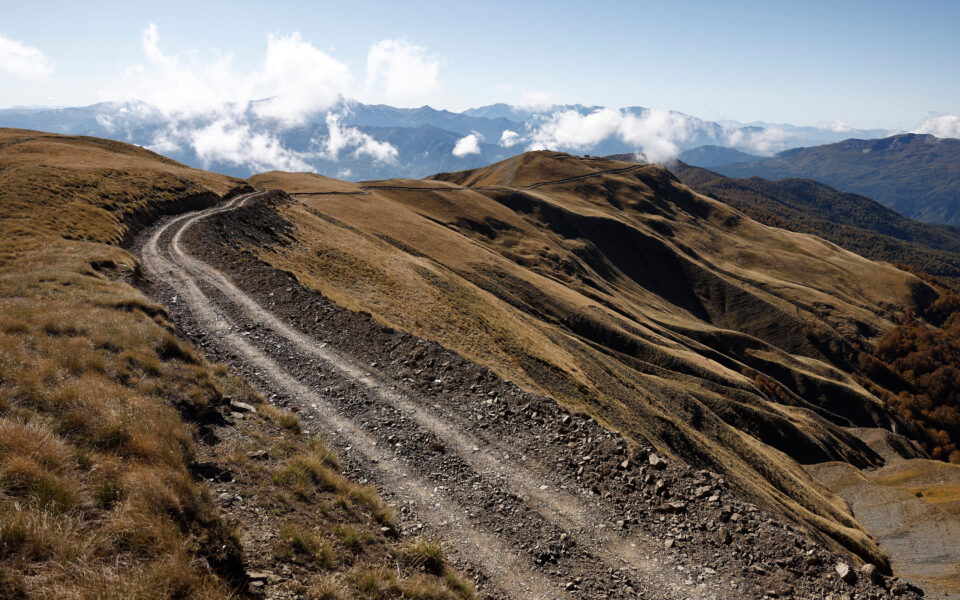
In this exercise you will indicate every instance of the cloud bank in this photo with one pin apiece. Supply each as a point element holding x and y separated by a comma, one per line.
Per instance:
<point>940,125</point>
<point>225,115</point>
<point>658,133</point>
<point>22,61</point>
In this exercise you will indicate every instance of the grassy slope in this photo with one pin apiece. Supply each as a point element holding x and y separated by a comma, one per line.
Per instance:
<point>97,395</point>
<point>665,314</point>
<point>935,481</point>
<point>857,223</point>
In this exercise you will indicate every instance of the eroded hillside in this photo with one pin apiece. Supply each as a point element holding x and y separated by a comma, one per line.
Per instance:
<point>113,428</point>
<point>615,289</point>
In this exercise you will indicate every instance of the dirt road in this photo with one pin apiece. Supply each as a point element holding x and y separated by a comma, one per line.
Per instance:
<point>538,502</point>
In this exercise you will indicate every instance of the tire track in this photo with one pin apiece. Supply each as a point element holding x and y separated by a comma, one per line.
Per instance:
<point>495,552</point>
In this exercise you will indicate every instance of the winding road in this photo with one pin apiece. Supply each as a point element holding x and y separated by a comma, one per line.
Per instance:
<point>488,472</point>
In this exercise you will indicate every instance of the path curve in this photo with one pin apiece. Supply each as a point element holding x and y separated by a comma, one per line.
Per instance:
<point>490,549</point>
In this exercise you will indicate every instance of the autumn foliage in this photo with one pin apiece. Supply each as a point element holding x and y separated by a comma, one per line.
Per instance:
<point>920,362</point>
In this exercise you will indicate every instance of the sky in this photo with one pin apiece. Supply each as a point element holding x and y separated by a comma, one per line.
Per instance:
<point>863,64</point>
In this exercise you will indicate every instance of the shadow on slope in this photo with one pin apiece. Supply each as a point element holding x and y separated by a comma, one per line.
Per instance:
<point>618,291</point>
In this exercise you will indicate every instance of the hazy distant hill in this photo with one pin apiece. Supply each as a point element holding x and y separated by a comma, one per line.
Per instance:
<point>239,140</point>
<point>712,156</point>
<point>855,222</point>
<point>916,175</point>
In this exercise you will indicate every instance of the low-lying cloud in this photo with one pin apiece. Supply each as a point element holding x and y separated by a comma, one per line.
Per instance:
<point>757,141</point>
<point>469,144</point>
<point>509,138</point>
<point>940,125</point>
<point>339,138</point>
<point>22,61</point>
<point>657,132</point>
<point>225,115</point>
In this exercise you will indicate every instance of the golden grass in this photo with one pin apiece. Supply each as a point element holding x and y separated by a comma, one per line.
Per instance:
<point>95,497</point>
<point>934,481</point>
<point>97,395</point>
<point>335,530</point>
<point>627,297</point>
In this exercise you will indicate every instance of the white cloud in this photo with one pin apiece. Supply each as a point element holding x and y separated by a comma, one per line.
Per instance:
<point>228,141</point>
<point>656,131</point>
<point>570,129</point>
<point>22,61</point>
<point>764,141</point>
<point>207,105</point>
<point>295,78</point>
<point>301,78</point>
<point>339,138</point>
<point>509,138</point>
<point>469,144</point>
<point>404,70</point>
<point>940,125</point>
<point>836,125</point>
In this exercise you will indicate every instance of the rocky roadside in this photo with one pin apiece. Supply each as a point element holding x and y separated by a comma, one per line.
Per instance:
<point>702,531</point>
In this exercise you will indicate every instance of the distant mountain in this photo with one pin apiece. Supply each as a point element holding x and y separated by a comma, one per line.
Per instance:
<point>854,222</point>
<point>712,156</point>
<point>381,141</point>
<point>917,175</point>
<point>805,135</point>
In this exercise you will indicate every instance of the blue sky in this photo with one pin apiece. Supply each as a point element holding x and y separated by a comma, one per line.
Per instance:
<point>867,64</point>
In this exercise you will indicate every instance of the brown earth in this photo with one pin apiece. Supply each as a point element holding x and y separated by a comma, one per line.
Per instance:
<point>614,289</point>
<point>112,426</point>
<point>537,502</point>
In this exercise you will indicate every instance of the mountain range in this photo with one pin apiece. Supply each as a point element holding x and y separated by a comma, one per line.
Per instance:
<point>917,175</point>
<point>857,223</point>
<point>357,141</point>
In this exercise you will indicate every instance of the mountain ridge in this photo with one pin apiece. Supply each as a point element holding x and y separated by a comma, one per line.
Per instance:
<point>536,244</point>
<point>918,175</point>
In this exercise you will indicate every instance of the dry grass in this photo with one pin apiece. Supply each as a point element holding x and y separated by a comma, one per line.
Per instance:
<point>624,296</point>
<point>96,500</point>
<point>336,537</point>
<point>98,397</point>
<point>934,481</point>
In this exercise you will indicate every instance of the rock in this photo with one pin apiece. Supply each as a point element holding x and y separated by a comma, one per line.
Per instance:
<point>656,462</point>
<point>702,491</point>
<point>723,536</point>
<point>259,455</point>
<point>625,464</point>
<point>675,507</point>
<point>259,578</point>
<point>869,570</point>
<point>226,498</point>
<point>902,587</point>
<point>845,572</point>
<point>668,543</point>
<point>242,406</point>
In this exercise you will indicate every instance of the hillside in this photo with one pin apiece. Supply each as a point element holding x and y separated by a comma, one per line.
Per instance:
<point>915,175</point>
<point>712,156</point>
<point>115,431</point>
<point>616,290</point>
<point>854,222</point>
